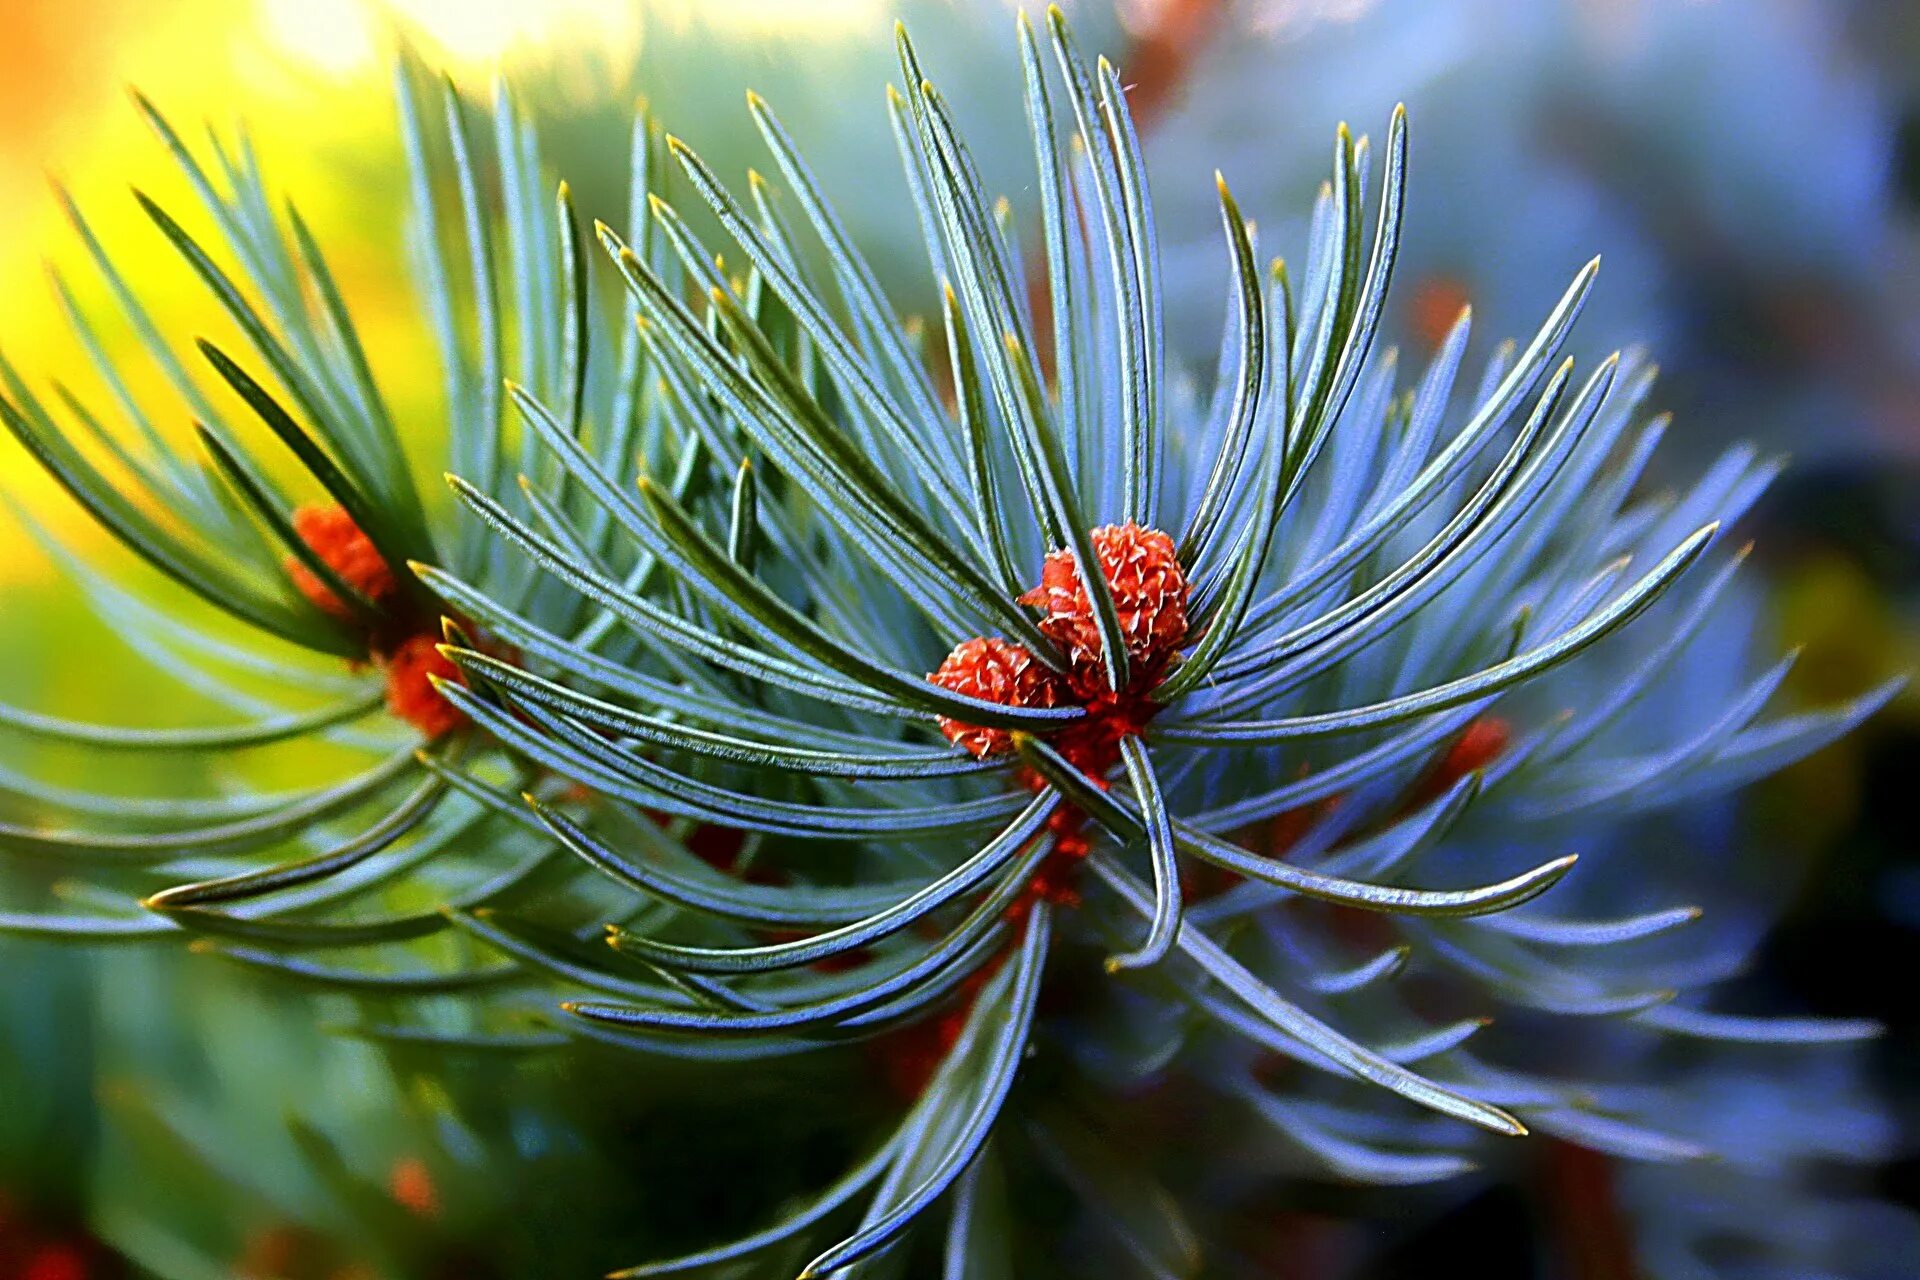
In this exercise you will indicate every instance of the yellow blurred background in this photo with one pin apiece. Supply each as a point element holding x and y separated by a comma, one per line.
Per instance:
<point>310,78</point>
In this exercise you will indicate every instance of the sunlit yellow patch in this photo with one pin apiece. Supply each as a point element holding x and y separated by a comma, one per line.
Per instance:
<point>815,18</point>
<point>311,79</point>
<point>341,36</point>
<point>335,35</point>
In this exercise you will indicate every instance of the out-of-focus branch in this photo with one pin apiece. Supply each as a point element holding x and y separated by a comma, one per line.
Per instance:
<point>1167,36</point>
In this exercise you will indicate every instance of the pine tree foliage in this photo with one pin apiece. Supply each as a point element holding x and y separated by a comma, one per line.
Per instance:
<point>306,571</point>
<point>1252,690</point>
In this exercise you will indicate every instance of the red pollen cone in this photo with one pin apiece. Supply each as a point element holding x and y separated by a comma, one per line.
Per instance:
<point>411,696</point>
<point>1149,593</point>
<point>994,671</point>
<point>343,547</point>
